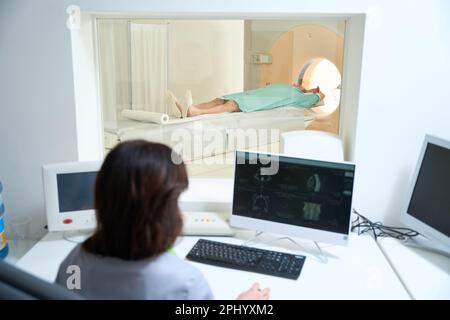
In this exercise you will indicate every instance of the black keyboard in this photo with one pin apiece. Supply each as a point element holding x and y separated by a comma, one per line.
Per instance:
<point>238,257</point>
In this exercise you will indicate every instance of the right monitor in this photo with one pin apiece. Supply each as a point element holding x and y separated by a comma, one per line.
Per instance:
<point>428,203</point>
<point>293,196</point>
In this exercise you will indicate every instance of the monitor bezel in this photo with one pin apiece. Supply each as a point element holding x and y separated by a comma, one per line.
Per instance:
<point>407,218</point>
<point>80,219</point>
<point>317,235</point>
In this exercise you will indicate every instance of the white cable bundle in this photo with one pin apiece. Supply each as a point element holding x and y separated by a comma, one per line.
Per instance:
<point>146,116</point>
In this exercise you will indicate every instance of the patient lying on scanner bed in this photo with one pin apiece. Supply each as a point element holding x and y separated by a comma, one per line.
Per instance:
<point>265,98</point>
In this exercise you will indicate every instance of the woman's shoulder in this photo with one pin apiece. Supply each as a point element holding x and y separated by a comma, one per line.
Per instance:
<point>191,282</point>
<point>73,255</point>
<point>72,259</point>
<point>179,279</point>
<point>171,263</point>
<point>165,262</point>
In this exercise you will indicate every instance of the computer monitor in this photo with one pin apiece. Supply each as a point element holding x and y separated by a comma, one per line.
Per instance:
<point>293,196</point>
<point>69,195</point>
<point>427,209</point>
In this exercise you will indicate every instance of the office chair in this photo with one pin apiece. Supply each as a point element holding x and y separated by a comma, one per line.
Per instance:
<point>16,284</point>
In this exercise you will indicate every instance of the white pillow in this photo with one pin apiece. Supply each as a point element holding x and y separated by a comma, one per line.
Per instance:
<point>145,116</point>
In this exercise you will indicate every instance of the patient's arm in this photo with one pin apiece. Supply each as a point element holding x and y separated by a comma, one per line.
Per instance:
<point>314,90</point>
<point>322,95</point>
<point>302,88</point>
<point>299,86</point>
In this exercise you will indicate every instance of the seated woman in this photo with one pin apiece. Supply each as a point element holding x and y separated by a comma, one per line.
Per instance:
<point>138,220</point>
<point>265,98</point>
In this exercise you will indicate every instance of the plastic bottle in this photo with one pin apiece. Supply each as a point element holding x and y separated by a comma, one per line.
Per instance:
<point>3,243</point>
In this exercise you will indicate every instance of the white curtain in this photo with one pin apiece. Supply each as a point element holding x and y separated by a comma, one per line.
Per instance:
<point>149,66</point>
<point>113,67</point>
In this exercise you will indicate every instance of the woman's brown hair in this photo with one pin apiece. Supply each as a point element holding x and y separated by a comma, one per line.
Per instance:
<point>136,201</point>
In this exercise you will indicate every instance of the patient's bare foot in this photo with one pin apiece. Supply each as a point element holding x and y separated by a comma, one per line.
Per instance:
<point>179,106</point>
<point>193,111</point>
<point>175,107</point>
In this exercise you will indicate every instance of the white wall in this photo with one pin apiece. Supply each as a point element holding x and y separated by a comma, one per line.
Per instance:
<point>348,121</point>
<point>85,73</point>
<point>206,57</point>
<point>404,88</point>
<point>404,94</point>
<point>262,34</point>
<point>37,109</point>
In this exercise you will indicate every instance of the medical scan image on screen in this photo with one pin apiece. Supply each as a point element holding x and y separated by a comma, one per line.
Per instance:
<point>76,191</point>
<point>302,195</point>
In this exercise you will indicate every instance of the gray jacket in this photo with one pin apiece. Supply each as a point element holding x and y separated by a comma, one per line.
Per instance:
<point>162,277</point>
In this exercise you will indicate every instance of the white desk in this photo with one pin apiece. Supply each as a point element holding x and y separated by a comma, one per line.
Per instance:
<point>359,271</point>
<point>18,248</point>
<point>208,194</point>
<point>425,275</point>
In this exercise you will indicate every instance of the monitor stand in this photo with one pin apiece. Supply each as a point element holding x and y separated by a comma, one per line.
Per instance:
<point>320,256</point>
<point>77,236</point>
<point>423,243</point>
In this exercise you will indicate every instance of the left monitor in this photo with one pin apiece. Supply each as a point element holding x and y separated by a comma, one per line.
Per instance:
<point>69,195</point>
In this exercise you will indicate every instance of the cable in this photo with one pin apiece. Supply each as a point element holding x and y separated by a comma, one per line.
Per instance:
<point>377,229</point>
<point>68,238</point>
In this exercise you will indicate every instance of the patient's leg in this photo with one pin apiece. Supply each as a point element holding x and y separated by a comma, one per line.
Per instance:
<point>228,106</point>
<point>210,104</point>
<point>206,105</point>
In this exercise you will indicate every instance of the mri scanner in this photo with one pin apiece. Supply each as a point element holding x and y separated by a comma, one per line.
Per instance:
<point>324,74</point>
<point>316,61</point>
<point>308,52</point>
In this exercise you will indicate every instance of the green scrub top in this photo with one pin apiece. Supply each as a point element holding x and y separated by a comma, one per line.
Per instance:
<point>273,96</point>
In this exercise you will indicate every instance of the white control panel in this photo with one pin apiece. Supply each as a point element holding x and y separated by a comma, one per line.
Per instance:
<point>208,195</point>
<point>203,223</point>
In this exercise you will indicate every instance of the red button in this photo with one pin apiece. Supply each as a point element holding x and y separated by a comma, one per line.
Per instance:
<point>67,221</point>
